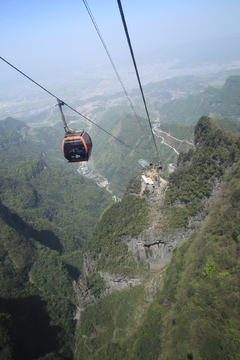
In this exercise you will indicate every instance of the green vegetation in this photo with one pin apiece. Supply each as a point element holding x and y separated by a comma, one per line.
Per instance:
<point>178,217</point>
<point>128,217</point>
<point>35,321</point>
<point>201,286</point>
<point>95,283</point>
<point>198,170</point>
<point>14,145</point>
<point>228,125</point>
<point>179,131</point>
<point>219,102</point>
<point>117,162</point>
<point>114,161</point>
<point>49,218</point>
<point>134,185</point>
<point>18,142</point>
<point>105,324</point>
<point>46,218</point>
<point>65,208</point>
<point>195,313</point>
<point>179,83</point>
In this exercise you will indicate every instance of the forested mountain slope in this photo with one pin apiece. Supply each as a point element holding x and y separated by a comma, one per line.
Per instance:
<point>14,144</point>
<point>47,216</point>
<point>64,204</point>
<point>56,257</point>
<point>36,297</point>
<point>19,142</point>
<point>189,308</point>
<point>119,163</point>
<point>211,102</point>
<point>113,160</point>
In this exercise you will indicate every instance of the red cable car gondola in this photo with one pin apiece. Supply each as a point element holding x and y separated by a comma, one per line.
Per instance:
<point>76,145</point>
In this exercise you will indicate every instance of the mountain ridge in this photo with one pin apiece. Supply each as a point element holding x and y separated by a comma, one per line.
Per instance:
<point>106,328</point>
<point>153,260</point>
<point>223,102</point>
<point>41,254</point>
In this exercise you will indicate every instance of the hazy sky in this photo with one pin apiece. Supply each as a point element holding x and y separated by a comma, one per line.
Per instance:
<point>49,35</point>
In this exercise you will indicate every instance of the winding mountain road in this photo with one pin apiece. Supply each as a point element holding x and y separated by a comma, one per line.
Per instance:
<point>156,132</point>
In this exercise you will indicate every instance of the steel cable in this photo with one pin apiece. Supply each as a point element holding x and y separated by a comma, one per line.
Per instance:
<point>113,65</point>
<point>77,112</point>
<point>136,70</point>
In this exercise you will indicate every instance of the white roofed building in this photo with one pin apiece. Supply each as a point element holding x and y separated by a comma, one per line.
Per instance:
<point>147,180</point>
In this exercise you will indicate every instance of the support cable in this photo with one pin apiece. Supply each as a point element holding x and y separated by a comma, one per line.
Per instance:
<point>77,112</point>
<point>113,65</point>
<point>136,70</point>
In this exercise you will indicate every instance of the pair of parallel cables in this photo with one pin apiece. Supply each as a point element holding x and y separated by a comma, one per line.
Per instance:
<point>134,63</point>
<point>136,70</point>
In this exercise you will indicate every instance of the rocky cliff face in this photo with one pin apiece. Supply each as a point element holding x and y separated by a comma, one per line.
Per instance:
<point>88,265</point>
<point>119,282</point>
<point>194,193</point>
<point>154,246</point>
<point>113,282</point>
<point>156,251</point>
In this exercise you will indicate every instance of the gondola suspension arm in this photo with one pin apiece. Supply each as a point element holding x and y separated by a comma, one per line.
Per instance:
<point>68,131</point>
<point>60,104</point>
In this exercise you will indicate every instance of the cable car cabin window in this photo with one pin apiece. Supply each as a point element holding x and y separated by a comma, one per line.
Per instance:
<point>74,149</point>
<point>88,142</point>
